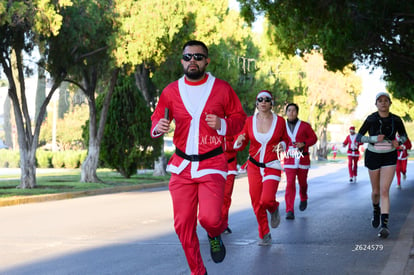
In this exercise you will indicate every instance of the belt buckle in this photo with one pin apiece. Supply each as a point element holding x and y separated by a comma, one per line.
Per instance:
<point>194,158</point>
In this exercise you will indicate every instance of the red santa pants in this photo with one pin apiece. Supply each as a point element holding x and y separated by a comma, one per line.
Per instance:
<point>187,194</point>
<point>262,195</point>
<point>290,191</point>
<point>353,165</point>
<point>401,168</point>
<point>228,191</point>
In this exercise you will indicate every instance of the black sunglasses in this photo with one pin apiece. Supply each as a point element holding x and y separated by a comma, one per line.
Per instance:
<point>266,99</point>
<point>197,56</point>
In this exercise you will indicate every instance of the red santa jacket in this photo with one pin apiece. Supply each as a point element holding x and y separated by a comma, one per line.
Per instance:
<point>192,135</point>
<point>402,150</point>
<point>263,146</point>
<point>353,145</point>
<point>295,158</point>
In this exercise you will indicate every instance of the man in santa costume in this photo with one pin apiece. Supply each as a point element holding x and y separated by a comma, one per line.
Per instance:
<point>353,153</point>
<point>205,109</point>
<point>297,160</point>
<point>402,160</point>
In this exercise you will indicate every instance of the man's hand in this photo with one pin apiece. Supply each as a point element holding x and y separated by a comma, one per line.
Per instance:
<point>213,121</point>
<point>163,126</point>
<point>299,145</point>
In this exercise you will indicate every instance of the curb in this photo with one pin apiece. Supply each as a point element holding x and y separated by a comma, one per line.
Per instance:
<point>71,195</point>
<point>401,260</point>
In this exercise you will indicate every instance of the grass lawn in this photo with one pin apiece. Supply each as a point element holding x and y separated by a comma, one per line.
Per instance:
<point>68,181</point>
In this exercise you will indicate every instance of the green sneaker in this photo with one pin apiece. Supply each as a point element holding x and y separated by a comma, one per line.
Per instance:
<point>217,249</point>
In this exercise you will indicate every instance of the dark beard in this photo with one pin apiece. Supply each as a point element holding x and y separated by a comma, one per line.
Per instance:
<point>194,74</point>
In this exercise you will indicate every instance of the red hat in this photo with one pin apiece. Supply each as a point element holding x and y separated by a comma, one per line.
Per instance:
<point>352,128</point>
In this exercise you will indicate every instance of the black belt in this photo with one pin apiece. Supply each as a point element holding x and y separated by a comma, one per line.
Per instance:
<point>255,162</point>
<point>354,150</point>
<point>231,160</point>
<point>210,154</point>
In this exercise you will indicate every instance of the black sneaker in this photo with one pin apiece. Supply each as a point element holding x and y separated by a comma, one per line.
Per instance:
<point>384,232</point>
<point>303,205</point>
<point>376,219</point>
<point>217,249</point>
<point>290,215</point>
<point>227,231</point>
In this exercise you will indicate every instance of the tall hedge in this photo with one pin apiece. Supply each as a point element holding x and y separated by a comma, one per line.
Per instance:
<point>127,144</point>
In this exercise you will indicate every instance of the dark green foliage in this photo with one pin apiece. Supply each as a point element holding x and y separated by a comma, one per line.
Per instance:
<point>380,33</point>
<point>127,144</point>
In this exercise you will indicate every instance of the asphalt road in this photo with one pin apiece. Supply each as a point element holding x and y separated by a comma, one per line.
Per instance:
<point>132,233</point>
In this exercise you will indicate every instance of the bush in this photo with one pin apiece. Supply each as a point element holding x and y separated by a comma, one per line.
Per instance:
<point>9,159</point>
<point>72,159</point>
<point>44,159</point>
<point>58,160</point>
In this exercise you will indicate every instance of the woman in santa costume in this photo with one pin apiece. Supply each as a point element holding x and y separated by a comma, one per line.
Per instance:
<point>297,160</point>
<point>353,153</point>
<point>266,132</point>
<point>205,109</point>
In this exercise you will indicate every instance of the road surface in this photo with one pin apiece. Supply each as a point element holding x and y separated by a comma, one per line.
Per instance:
<point>132,233</point>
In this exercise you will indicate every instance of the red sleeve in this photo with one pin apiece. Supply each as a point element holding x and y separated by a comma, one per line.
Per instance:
<point>235,116</point>
<point>285,136</point>
<point>346,141</point>
<point>408,144</point>
<point>311,137</point>
<point>246,129</point>
<point>159,111</point>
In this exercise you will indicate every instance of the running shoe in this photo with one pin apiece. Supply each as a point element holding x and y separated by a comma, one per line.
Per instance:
<point>227,231</point>
<point>266,241</point>
<point>217,249</point>
<point>290,215</point>
<point>384,232</point>
<point>275,219</point>
<point>303,205</point>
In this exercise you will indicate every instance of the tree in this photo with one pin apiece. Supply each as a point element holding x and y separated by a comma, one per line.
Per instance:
<point>22,25</point>
<point>379,33</point>
<point>153,32</point>
<point>323,95</point>
<point>126,144</point>
<point>84,51</point>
